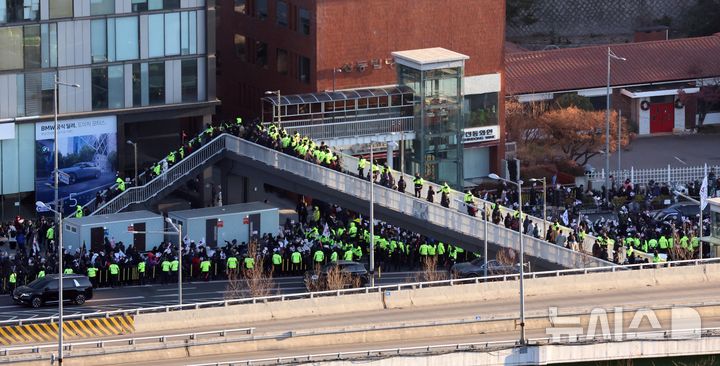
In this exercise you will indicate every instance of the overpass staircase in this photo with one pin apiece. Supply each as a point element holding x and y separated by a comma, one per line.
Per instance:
<point>349,191</point>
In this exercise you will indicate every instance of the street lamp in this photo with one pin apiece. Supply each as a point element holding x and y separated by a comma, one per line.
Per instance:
<point>42,205</point>
<point>610,56</point>
<point>276,92</point>
<point>700,234</point>
<point>544,182</point>
<point>177,230</point>
<point>58,209</point>
<point>134,144</point>
<point>372,216</point>
<point>522,255</point>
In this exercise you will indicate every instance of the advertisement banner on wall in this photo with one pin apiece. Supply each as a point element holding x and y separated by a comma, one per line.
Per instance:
<point>87,159</point>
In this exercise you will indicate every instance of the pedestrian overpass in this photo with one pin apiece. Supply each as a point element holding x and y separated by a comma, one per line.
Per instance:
<point>451,225</point>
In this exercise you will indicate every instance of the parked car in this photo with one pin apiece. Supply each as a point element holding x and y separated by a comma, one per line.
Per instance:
<point>676,211</point>
<point>81,171</point>
<point>76,289</point>
<point>476,268</point>
<point>353,274</point>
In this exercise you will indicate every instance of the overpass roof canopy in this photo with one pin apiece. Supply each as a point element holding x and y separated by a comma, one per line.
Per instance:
<point>340,95</point>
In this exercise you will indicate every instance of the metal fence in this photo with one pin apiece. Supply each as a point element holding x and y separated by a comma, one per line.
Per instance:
<point>672,176</point>
<point>362,290</point>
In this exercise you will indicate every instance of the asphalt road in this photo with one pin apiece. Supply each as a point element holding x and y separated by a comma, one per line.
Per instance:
<point>635,298</point>
<point>132,297</point>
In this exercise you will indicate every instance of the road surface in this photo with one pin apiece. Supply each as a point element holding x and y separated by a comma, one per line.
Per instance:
<point>133,297</point>
<point>633,298</point>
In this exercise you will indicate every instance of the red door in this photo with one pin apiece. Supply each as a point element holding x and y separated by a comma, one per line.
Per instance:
<point>662,117</point>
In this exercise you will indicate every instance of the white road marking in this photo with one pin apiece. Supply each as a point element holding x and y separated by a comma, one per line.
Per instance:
<point>117,299</point>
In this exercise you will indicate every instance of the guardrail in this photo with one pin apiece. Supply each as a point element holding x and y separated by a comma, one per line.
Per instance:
<point>363,290</point>
<point>475,346</point>
<point>350,163</point>
<point>405,204</point>
<point>129,341</point>
<point>144,192</point>
<point>669,175</point>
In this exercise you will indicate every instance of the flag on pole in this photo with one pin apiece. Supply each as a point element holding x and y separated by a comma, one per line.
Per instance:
<point>565,217</point>
<point>703,193</point>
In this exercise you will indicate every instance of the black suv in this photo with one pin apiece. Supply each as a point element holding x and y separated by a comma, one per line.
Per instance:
<point>76,289</point>
<point>343,274</point>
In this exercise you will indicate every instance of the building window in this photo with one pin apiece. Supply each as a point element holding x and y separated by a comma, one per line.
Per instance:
<point>31,46</point>
<point>48,44</point>
<point>102,7</point>
<point>241,47</point>
<point>39,93</point>
<point>114,39</point>
<point>261,54</point>
<point>172,34</point>
<point>13,11</point>
<point>98,40</point>
<point>241,6</point>
<point>108,87</point>
<point>189,83</point>
<point>116,87</point>
<point>127,42</point>
<point>281,13</point>
<point>156,35</point>
<point>304,69</point>
<point>156,83</point>
<point>188,32</point>
<point>145,5</point>
<point>483,110</point>
<point>99,88</point>
<point>304,21</point>
<point>282,61</point>
<point>261,9</point>
<point>139,78</point>
<point>60,9</point>
<point>11,44</point>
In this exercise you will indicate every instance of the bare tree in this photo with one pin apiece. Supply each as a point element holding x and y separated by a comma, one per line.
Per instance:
<point>258,281</point>
<point>429,270</point>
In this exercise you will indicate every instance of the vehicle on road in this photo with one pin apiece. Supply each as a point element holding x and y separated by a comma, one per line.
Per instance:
<point>675,212</point>
<point>81,171</point>
<point>76,289</point>
<point>476,268</point>
<point>337,275</point>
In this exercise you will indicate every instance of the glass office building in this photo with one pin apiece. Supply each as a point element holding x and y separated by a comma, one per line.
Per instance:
<point>145,70</point>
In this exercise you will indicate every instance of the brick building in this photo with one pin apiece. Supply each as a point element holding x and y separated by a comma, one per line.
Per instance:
<point>307,46</point>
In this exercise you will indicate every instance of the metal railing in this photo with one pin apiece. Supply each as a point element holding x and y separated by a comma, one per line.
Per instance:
<point>406,204</point>
<point>472,347</point>
<point>161,339</point>
<point>350,163</point>
<point>669,175</point>
<point>345,129</point>
<point>362,290</point>
<point>353,186</point>
<point>143,193</point>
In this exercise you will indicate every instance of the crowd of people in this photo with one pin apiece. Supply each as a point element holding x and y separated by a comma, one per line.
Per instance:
<point>327,232</point>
